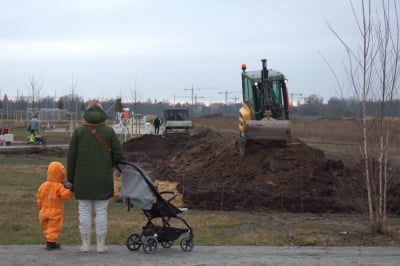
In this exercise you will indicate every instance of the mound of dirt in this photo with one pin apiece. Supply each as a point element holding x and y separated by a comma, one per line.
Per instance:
<point>212,174</point>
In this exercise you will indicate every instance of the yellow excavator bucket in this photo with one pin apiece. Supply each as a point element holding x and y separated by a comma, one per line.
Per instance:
<point>267,129</point>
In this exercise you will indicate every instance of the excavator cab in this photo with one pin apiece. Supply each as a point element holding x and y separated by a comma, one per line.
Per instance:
<point>264,114</point>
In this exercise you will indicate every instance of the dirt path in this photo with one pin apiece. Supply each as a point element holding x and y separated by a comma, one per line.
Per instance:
<point>220,255</point>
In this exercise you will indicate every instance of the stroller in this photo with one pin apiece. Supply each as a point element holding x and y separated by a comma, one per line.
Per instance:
<point>35,138</point>
<point>138,190</point>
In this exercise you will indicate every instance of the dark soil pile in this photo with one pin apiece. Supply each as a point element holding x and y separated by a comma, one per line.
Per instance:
<point>213,175</point>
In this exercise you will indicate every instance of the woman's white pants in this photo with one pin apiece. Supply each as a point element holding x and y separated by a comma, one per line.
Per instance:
<point>85,216</point>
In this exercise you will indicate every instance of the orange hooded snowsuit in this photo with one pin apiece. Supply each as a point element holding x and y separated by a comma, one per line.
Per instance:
<point>50,199</point>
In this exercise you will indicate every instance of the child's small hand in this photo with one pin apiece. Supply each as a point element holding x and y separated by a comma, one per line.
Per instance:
<point>70,186</point>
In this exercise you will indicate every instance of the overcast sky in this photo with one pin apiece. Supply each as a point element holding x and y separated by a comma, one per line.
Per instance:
<point>163,48</point>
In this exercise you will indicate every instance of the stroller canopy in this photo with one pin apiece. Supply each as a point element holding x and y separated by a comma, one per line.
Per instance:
<point>135,190</point>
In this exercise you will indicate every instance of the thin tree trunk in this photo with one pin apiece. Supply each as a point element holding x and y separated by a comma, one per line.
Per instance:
<point>385,180</point>
<point>366,169</point>
<point>381,175</point>
<point>366,39</point>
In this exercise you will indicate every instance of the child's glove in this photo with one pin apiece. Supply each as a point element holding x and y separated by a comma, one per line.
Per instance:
<point>71,188</point>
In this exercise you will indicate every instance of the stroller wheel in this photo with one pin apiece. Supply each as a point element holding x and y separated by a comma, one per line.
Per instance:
<point>133,242</point>
<point>167,244</point>
<point>150,244</point>
<point>187,243</point>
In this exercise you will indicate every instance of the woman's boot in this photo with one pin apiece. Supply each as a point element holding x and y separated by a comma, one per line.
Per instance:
<point>85,242</point>
<point>101,243</point>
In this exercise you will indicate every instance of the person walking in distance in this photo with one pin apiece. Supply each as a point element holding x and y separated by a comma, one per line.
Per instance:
<point>93,150</point>
<point>33,128</point>
<point>157,123</point>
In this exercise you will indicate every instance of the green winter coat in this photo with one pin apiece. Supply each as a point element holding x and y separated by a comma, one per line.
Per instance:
<point>89,165</point>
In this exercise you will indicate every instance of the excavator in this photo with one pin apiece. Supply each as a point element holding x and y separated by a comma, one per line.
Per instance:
<point>264,115</point>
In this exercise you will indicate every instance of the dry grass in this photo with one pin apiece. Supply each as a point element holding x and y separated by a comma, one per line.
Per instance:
<point>339,138</point>
<point>228,124</point>
<point>325,129</point>
<point>19,223</point>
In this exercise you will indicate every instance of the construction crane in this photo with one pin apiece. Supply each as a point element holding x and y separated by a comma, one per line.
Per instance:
<point>294,94</point>
<point>197,97</point>
<point>226,92</point>
<point>192,90</point>
<point>176,96</point>
<point>235,99</point>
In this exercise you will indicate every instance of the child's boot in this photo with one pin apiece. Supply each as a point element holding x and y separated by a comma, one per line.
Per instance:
<point>52,246</point>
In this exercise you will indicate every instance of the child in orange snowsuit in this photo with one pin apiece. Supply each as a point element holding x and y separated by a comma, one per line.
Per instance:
<point>50,199</point>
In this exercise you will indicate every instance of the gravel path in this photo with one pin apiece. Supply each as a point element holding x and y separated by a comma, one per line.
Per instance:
<point>202,255</point>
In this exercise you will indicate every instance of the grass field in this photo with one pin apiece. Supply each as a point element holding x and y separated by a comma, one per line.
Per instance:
<point>22,175</point>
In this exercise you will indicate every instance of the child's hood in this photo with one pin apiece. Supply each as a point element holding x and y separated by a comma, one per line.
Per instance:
<point>55,172</point>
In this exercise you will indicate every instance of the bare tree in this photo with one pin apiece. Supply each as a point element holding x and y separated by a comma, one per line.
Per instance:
<point>135,94</point>
<point>35,85</point>
<point>73,99</point>
<point>136,98</point>
<point>373,68</point>
<point>19,100</point>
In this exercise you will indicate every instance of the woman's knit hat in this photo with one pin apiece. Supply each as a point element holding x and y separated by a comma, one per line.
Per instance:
<point>95,102</point>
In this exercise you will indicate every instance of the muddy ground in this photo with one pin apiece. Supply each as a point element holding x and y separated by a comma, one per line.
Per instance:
<point>212,174</point>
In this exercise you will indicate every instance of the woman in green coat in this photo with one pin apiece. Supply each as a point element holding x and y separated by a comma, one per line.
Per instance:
<point>93,150</point>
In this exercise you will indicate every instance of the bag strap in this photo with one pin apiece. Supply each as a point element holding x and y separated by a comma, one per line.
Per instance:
<point>99,138</point>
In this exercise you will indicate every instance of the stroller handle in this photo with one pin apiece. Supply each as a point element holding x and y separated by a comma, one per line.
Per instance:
<point>169,192</point>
